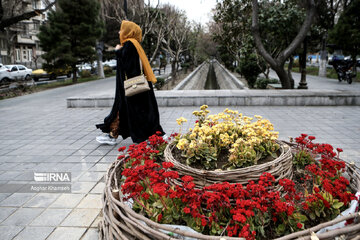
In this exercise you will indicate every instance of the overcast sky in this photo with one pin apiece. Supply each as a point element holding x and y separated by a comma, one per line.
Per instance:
<point>197,10</point>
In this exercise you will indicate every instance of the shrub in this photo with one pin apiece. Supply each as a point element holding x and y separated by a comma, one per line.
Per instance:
<point>249,68</point>
<point>85,74</point>
<point>159,83</point>
<point>261,83</point>
<point>107,69</point>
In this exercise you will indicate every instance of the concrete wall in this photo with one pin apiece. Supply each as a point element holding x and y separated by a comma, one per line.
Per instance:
<point>226,79</point>
<point>197,79</point>
<point>235,98</point>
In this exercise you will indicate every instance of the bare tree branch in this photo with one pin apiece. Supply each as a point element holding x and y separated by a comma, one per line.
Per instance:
<point>8,21</point>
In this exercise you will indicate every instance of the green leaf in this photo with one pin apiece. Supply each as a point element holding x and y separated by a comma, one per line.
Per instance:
<point>338,205</point>
<point>158,204</point>
<point>280,229</point>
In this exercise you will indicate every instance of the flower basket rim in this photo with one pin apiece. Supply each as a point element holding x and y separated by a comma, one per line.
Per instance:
<point>111,227</point>
<point>284,149</point>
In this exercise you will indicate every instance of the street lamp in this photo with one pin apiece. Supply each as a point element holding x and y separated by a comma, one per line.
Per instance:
<point>125,9</point>
<point>303,83</point>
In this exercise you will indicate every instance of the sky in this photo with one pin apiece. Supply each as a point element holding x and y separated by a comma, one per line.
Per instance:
<point>197,10</point>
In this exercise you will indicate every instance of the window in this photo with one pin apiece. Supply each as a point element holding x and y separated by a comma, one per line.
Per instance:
<point>24,56</point>
<point>35,4</point>
<point>21,68</point>
<point>14,69</point>
<point>17,55</point>
<point>30,54</point>
<point>36,25</point>
<point>2,43</point>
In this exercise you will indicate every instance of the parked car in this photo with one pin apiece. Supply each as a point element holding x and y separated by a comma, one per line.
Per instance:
<point>14,73</point>
<point>111,63</point>
<point>87,67</point>
<point>51,74</point>
<point>3,73</point>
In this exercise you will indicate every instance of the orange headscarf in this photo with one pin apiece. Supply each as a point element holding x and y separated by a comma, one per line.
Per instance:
<point>130,31</point>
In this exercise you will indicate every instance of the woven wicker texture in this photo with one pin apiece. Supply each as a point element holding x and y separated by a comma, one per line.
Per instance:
<point>122,223</point>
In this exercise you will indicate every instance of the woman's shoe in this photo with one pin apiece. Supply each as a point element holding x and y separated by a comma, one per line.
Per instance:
<point>106,139</point>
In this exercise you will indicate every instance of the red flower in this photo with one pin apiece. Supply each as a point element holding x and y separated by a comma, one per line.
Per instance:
<point>203,222</point>
<point>316,189</point>
<point>299,225</point>
<point>145,195</point>
<point>159,217</point>
<point>167,165</point>
<point>122,148</point>
<point>339,150</point>
<point>120,157</point>
<point>311,138</point>
<point>187,178</point>
<point>186,210</point>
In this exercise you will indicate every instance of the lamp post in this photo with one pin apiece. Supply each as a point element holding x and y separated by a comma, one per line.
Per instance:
<point>125,9</point>
<point>303,83</point>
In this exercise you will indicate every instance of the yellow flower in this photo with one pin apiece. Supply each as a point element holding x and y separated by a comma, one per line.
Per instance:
<point>182,144</point>
<point>203,107</point>
<point>181,120</point>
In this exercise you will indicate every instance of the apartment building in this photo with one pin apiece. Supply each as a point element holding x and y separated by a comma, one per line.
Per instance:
<point>19,43</point>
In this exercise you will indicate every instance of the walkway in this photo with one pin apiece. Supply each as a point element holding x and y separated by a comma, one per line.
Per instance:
<point>40,134</point>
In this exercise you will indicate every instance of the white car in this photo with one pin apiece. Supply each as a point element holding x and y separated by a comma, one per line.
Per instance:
<point>111,63</point>
<point>4,73</point>
<point>17,72</point>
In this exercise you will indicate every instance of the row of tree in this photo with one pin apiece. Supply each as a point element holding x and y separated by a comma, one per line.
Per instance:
<point>255,35</point>
<point>272,32</point>
<point>72,30</point>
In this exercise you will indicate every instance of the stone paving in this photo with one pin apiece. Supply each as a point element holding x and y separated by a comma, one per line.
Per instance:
<point>39,133</point>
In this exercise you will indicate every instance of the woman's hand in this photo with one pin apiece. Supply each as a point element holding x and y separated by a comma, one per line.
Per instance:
<point>118,47</point>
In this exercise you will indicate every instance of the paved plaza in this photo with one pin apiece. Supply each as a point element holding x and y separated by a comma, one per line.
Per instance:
<point>38,133</point>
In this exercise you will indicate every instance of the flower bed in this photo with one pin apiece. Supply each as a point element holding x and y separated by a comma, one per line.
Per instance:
<point>280,167</point>
<point>229,147</point>
<point>140,199</point>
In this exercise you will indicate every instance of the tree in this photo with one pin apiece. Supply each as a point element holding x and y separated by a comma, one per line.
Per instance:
<point>346,33</point>
<point>176,37</point>
<point>231,27</point>
<point>14,11</point>
<point>327,13</point>
<point>277,63</point>
<point>70,35</point>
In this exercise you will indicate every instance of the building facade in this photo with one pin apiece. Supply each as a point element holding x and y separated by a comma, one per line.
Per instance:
<point>19,43</point>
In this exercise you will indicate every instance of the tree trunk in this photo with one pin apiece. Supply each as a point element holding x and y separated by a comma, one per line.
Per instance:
<point>173,69</point>
<point>323,58</point>
<point>74,79</point>
<point>283,76</point>
<point>278,63</point>
<point>290,66</point>
<point>100,68</point>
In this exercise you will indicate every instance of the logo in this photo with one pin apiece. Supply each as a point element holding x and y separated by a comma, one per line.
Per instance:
<point>52,177</point>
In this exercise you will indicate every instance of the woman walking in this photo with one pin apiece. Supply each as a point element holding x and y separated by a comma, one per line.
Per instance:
<point>136,116</point>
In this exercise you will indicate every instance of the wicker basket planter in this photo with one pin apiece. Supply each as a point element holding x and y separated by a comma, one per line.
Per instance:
<point>280,167</point>
<point>121,222</point>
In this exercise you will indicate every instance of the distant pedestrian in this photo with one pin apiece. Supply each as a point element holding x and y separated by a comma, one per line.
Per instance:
<point>136,116</point>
